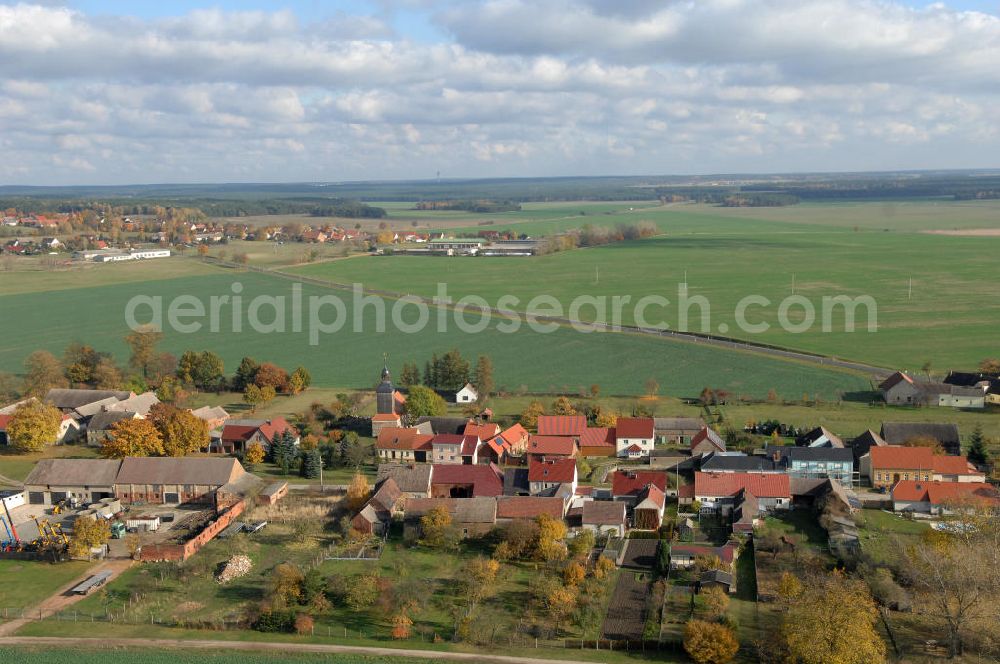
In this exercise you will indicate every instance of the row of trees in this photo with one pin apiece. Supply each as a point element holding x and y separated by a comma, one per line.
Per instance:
<point>451,371</point>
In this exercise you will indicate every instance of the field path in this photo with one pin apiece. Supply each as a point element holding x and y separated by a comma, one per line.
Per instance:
<point>263,646</point>
<point>62,599</point>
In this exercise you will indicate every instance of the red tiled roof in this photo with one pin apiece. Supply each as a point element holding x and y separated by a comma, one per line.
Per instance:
<point>552,445</point>
<point>561,425</point>
<point>898,456</point>
<point>486,480</point>
<point>940,492</point>
<point>653,493</point>
<point>552,470</point>
<point>686,491</point>
<point>529,507</point>
<point>448,439</point>
<point>243,432</point>
<point>597,437</point>
<point>634,427</point>
<point>633,448</point>
<point>630,483</point>
<point>483,431</point>
<point>385,417</point>
<point>514,434</point>
<point>761,485</point>
<point>496,445</point>
<point>711,436</point>
<point>469,444</point>
<point>398,438</point>
<point>953,465</point>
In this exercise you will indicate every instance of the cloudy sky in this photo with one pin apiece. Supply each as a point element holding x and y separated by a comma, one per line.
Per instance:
<point>137,92</point>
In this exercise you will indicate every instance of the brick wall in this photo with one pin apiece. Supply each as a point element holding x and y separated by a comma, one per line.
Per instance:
<point>181,552</point>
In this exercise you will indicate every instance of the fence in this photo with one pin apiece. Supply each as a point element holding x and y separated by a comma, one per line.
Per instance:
<point>120,614</point>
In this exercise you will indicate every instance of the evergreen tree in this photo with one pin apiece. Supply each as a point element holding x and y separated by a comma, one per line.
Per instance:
<point>977,447</point>
<point>312,463</point>
<point>246,374</point>
<point>284,452</point>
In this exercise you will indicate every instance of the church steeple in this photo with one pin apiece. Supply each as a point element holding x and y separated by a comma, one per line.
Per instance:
<point>385,392</point>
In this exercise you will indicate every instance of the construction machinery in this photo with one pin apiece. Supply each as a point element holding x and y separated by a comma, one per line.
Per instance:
<point>11,543</point>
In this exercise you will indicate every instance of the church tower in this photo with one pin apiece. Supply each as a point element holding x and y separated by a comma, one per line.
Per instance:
<point>385,401</point>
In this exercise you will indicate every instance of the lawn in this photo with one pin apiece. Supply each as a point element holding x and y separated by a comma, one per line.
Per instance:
<point>562,361</point>
<point>728,254</point>
<point>883,534</point>
<point>25,583</point>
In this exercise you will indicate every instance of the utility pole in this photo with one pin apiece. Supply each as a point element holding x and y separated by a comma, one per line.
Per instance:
<point>793,283</point>
<point>909,290</point>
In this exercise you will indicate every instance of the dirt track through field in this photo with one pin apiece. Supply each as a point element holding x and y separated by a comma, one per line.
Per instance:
<point>205,644</point>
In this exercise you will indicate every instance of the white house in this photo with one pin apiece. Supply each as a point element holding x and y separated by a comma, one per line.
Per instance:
<point>467,394</point>
<point>634,437</point>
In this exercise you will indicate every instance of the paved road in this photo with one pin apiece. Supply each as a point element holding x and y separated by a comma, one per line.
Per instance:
<point>206,644</point>
<point>62,598</point>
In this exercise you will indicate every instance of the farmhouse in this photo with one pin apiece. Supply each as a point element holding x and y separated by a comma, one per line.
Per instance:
<point>900,433</point>
<point>598,442</point>
<point>676,430</point>
<point>455,448</point>
<point>403,444</point>
<point>649,507</point>
<point>893,463</point>
<point>238,435</point>
<point>472,517</point>
<point>604,517</point>
<point>540,447</point>
<point>864,443</point>
<point>466,481</point>
<point>721,492</point>
<point>547,474</point>
<point>375,517</point>
<point>634,436</point>
<point>382,421</point>
<point>942,497</point>
<point>467,394</point>
<point>561,425</point>
<point>515,439</point>
<point>214,417</point>
<point>627,485</point>
<point>161,480</point>
<point>707,441</point>
<point>529,508</point>
<point>414,480</point>
<point>900,389</point>
<point>100,427</point>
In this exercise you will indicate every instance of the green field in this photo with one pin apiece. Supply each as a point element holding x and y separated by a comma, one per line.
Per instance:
<point>563,361</point>
<point>25,583</point>
<point>846,249</point>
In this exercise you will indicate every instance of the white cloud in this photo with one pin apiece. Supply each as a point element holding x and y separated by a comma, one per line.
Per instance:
<point>539,87</point>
